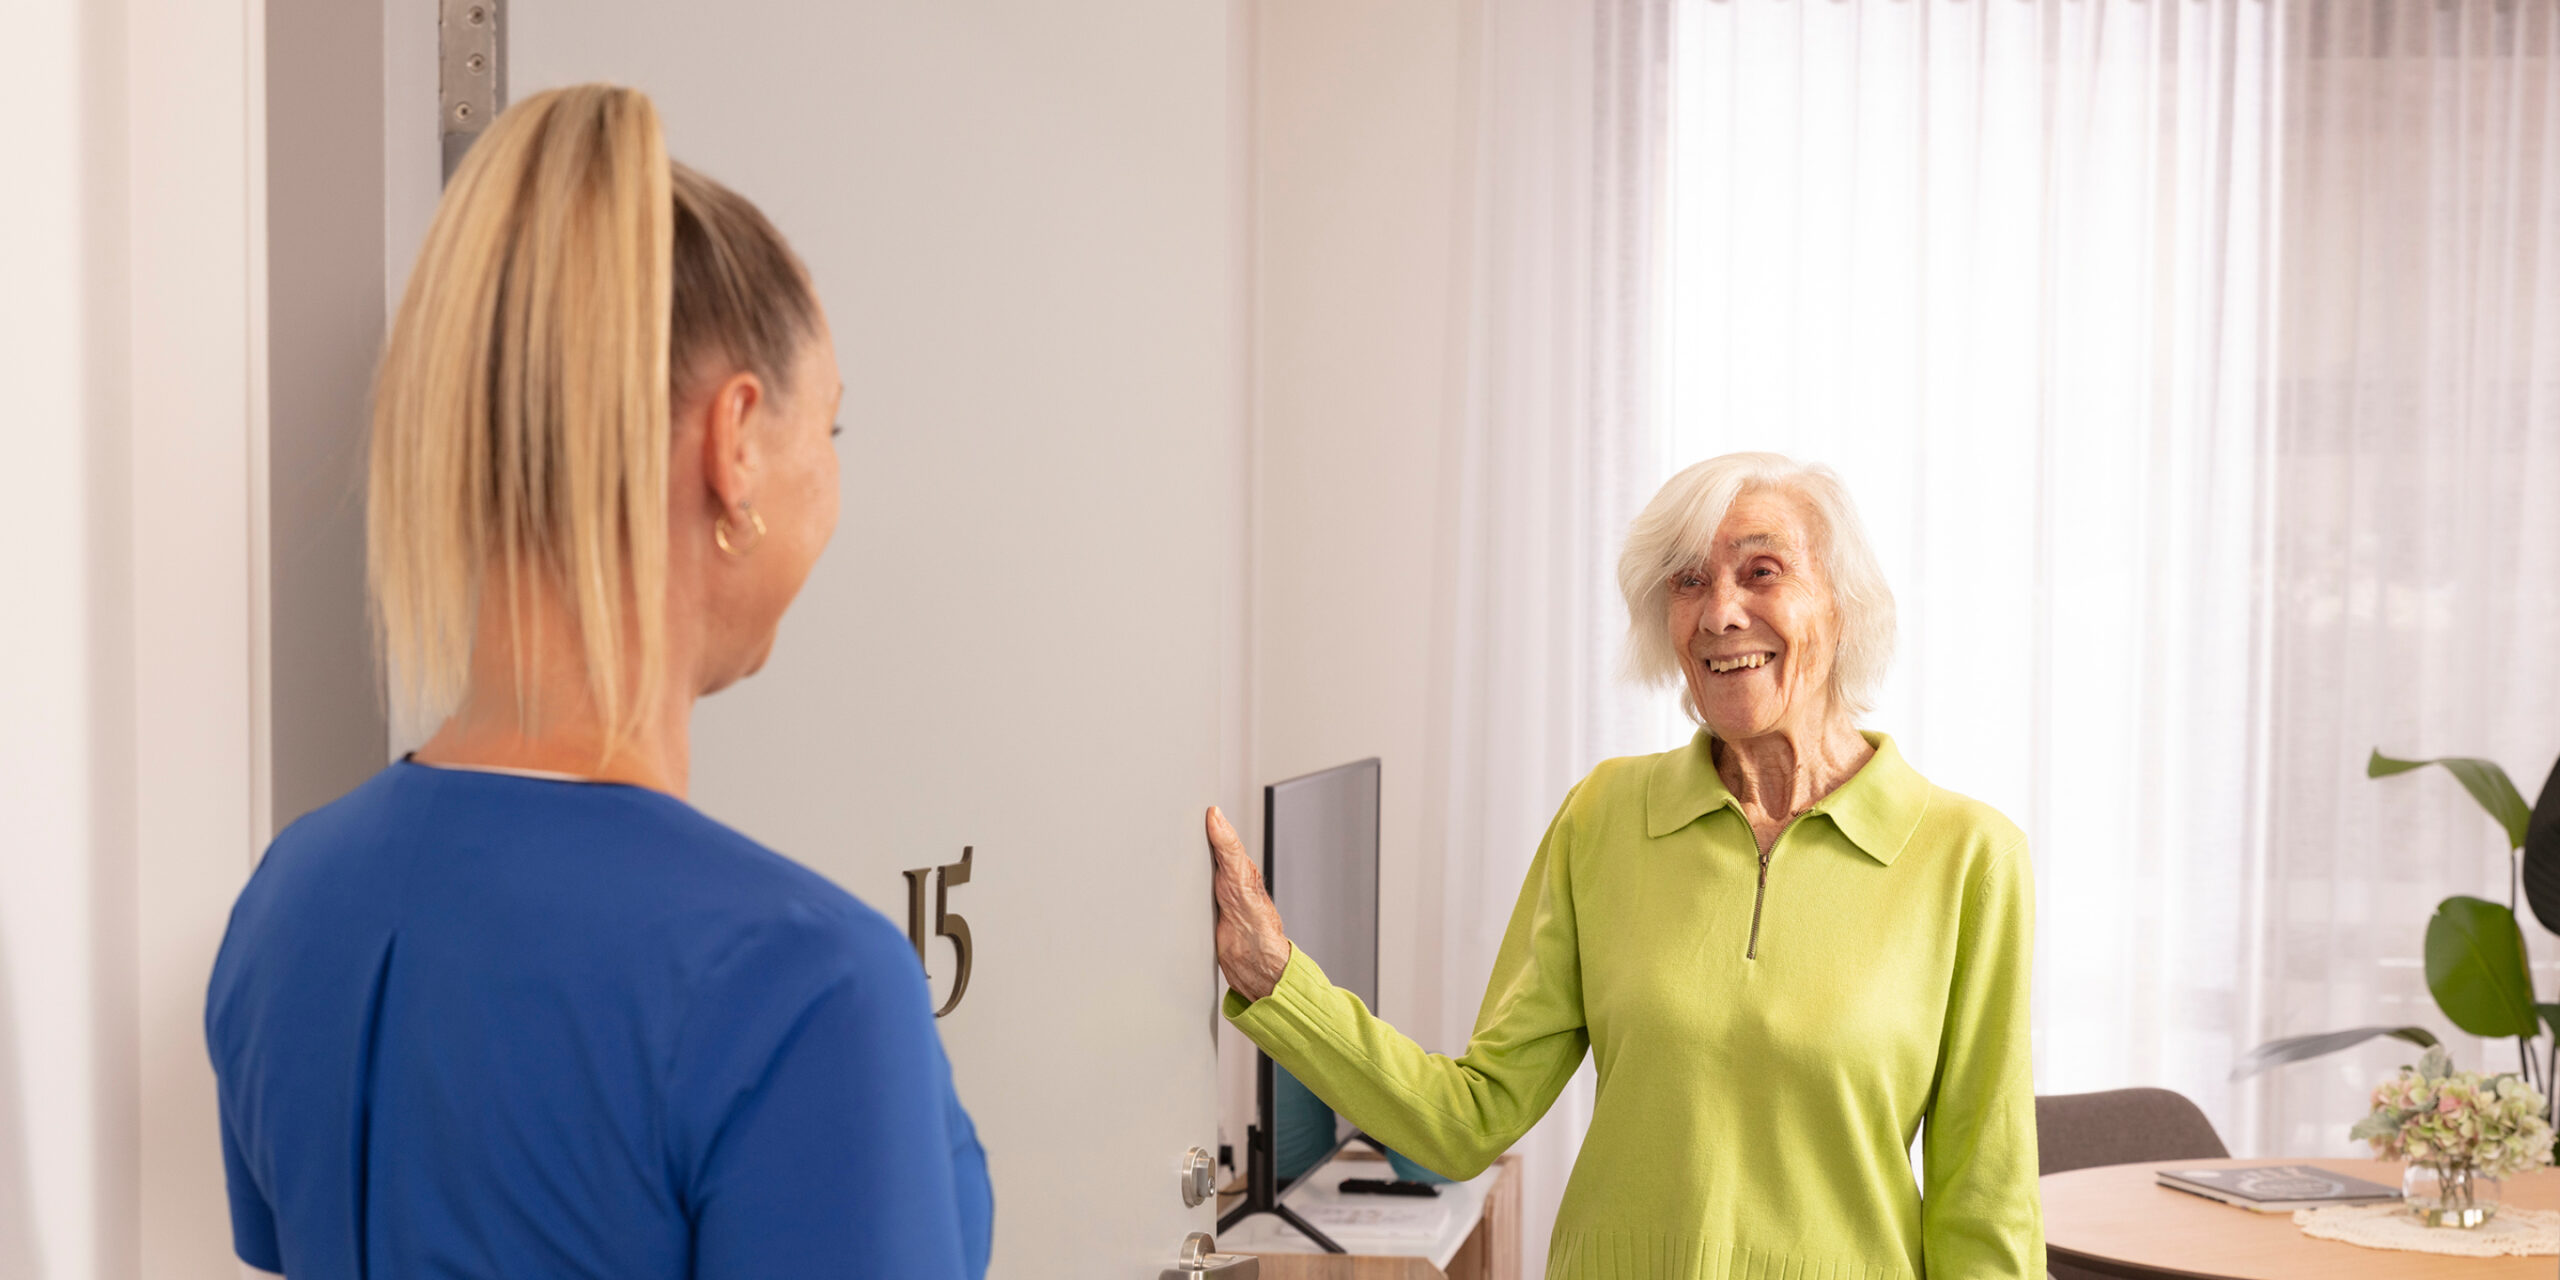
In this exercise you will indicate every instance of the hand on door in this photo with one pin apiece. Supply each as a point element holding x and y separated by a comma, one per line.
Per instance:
<point>1252,949</point>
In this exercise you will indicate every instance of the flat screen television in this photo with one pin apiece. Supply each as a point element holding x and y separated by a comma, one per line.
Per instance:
<point>1320,862</point>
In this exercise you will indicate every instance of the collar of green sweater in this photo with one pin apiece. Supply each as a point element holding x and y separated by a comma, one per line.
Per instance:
<point>1877,808</point>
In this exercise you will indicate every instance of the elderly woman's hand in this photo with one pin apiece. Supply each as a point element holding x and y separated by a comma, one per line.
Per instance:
<point>1252,949</point>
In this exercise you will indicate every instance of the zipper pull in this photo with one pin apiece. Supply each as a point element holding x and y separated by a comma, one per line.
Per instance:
<point>1758,896</point>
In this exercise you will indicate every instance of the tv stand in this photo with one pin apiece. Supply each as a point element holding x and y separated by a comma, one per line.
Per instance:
<point>1287,1215</point>
<point>1480,1236</point>
<point>1262,1169</point>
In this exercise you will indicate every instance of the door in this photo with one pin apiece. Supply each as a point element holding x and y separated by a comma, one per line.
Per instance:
<point>1026,639</point>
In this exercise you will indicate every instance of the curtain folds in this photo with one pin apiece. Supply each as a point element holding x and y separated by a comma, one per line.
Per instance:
<point>2194,367</point>
<point>2415,604</point>
<point>1552,459</point>
<point>2007,268</point>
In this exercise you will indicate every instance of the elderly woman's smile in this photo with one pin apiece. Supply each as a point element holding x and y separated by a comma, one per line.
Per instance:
<point>1755,620</point>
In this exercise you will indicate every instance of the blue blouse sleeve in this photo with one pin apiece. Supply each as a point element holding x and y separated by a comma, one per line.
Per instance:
<point>843,1151</point>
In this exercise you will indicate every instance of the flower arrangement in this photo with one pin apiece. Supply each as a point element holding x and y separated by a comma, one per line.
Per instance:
<point>2431,1114</point>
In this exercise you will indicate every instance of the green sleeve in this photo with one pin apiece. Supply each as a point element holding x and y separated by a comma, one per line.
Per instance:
<point>1453,1116</point>
<point>1979,1213</point>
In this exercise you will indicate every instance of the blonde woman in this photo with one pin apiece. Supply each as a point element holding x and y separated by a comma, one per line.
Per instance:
<point>1787,951</point>
<point>512,1007</point>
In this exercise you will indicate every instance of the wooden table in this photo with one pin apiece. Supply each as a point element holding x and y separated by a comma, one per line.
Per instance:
<point>2116,1221</point>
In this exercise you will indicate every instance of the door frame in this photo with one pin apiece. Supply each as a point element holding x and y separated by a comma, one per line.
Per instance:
<point>186,783</point>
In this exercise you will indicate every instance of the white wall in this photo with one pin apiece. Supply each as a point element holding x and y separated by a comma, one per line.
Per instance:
<point>1362,134</point>
<point>128,750</point>
<point>131,750</point>
<point>54,1026</point>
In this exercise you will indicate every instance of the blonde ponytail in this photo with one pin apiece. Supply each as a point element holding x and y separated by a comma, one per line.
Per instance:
<point>520,429</point>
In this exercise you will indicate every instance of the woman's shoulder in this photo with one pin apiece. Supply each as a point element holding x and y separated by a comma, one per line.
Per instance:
<point>1956,819</point>
<point>625,860</point>
<point>774,904</point>
<point>1970,842</point>
<point>1617,791</point>
<point>1620,779</point>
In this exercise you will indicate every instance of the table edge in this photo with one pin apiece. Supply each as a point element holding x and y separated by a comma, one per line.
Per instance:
<point>2120,1269</point>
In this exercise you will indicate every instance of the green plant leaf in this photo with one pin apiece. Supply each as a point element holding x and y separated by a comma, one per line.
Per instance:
<point>2276,1053</point>
<point>2435,1063</point>
<point>2550,1016</point>
<point>2486,782</point>
<point>2381,1124</point>
<point>2476,968</point>
<point>2542,855</point>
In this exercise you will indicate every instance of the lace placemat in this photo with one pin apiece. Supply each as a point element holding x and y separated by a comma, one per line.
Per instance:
<point>2514,1233</point>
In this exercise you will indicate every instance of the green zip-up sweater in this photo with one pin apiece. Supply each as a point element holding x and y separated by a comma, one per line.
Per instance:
<point>1758,1097</point>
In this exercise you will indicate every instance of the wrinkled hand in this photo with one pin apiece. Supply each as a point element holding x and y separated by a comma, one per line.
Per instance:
<point>1252,949</point>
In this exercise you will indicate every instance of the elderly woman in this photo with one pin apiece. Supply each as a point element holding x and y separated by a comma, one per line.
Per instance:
<point>1789,952</point>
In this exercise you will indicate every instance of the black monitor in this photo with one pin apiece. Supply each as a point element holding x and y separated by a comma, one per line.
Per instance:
<point>1320,862</point>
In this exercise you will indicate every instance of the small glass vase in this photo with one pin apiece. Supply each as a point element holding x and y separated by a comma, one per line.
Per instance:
<point>2449,1195</point>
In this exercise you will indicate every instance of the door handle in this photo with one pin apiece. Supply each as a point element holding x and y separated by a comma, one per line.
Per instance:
<point>1199,1258</point>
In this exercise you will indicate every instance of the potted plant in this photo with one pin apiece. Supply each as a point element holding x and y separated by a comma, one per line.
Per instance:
<point>2475,955</point>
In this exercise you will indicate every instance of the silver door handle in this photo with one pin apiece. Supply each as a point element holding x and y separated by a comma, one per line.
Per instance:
<point>1199,1258</point>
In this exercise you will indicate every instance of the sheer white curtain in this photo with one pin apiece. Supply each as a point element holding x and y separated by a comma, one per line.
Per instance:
<point>1552,459</point>
<point>2197,368</point>
<point>2416,603</point>
<point>2194,365</point>
<point>2006,267</point>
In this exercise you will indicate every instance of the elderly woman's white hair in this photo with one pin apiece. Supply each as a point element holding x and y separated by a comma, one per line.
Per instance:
<point>1677,529</point>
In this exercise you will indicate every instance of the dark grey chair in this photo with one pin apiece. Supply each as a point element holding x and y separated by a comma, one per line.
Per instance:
<point>2118,1126</point>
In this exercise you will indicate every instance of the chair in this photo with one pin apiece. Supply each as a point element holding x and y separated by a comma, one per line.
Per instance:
<point>2118,1126</point>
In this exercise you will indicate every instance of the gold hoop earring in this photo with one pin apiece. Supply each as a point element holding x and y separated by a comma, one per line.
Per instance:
<point>720,531</point>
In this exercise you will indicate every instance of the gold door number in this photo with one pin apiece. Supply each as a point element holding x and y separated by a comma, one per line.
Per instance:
<point>946,922</point>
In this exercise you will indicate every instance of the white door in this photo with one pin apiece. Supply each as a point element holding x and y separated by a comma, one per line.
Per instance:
<point>1026,639</point>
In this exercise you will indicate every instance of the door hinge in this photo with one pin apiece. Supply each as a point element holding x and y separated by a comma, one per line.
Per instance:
<point>471,73</point>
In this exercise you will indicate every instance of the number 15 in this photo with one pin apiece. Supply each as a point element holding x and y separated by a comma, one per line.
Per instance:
<point>946,922</point>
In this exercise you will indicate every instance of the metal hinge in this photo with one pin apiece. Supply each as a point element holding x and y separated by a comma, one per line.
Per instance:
<point>471,73</point>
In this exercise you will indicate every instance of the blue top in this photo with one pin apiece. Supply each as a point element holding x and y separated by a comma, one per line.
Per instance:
<point>469,1024</point>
